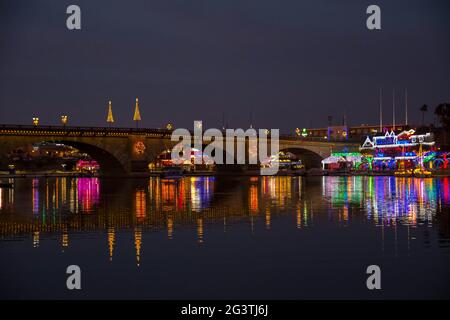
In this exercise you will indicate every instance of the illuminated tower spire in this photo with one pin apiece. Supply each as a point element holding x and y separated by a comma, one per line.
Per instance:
<point>137,114</point>
<point>110,118</point>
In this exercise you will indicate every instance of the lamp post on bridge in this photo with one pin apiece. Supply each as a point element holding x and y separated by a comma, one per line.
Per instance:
<point>35,121</point>
<point>64,120</point>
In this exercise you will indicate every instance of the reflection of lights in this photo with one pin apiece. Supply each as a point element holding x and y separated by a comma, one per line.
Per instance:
<point>253,201</point>
<point>168,194</point>
<point>141,205</point>
<point>138,243</point>
<point>88,193</point>
<point>387,200</point>
<point>201,192</point>
<point>10,196</point>
<point>63,190</point>
<point>305,214</point>
<point>111,241</point>
<point>200,230</point>
<point>384,201</point>
<point>267,217</point>
<point>299,217</point>
<point>65,238</point>
<point>36,239</point>
<point>446,192</point>
<point>279,189</point>
<point>170,227</point>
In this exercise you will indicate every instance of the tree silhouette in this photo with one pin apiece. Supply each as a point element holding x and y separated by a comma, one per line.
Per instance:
<point>423,109</point>
<point>443,113</point>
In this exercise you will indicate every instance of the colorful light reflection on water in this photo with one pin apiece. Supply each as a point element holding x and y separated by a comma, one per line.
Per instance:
<point>275,218</point>
<point>55,205</point>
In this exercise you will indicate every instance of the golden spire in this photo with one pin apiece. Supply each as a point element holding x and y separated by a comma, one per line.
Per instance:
<point>110,117</point>
<point>111,240</point>
<point>137,114</point>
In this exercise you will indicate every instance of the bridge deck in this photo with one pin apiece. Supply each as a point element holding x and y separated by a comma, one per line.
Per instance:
<point>76,131</point>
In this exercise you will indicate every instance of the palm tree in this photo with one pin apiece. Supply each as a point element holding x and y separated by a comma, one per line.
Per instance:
<point>443,113</point>
<point>423,109</point>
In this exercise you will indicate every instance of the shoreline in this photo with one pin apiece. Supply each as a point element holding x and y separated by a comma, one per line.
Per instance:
<point>442,174</point>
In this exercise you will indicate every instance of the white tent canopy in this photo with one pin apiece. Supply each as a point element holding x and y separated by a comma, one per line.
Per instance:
<point>333,159</point>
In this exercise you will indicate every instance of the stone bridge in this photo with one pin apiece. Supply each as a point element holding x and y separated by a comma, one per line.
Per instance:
<point>126,151</point>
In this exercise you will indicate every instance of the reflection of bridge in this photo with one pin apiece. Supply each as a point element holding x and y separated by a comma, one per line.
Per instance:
<point>125,151</point>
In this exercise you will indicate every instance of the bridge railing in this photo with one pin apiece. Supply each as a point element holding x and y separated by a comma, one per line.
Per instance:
<point>81,129</point>
<point>319,139</point>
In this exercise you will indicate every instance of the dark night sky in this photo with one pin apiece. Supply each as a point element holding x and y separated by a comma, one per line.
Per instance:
<point>291,62</point>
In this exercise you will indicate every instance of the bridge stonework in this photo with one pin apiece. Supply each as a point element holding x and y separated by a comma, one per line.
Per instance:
<point>129,151</point>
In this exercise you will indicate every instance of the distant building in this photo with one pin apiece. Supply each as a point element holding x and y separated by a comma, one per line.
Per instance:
<point>353,133</point>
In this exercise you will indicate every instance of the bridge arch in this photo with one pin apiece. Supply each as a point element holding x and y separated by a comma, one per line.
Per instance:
<point>110,164</point>
<point>166,151</point>
<point>309,158</point>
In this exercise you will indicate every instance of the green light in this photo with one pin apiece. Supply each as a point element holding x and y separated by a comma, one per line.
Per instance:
<point>304,133</point>
<point>346,154</point>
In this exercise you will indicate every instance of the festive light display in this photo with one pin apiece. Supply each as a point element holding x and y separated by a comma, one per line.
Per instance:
<point>87,165</point>
<point>407,153</point>
<point>342,160</point>
<point>401,153</point>
<point>139,147</point>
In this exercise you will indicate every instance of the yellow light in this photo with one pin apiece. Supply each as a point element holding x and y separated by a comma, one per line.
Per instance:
<point>36,121</point>
<point>64,120</point>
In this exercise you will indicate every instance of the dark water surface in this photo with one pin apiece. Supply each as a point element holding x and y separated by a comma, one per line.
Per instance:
<point>206,237</point>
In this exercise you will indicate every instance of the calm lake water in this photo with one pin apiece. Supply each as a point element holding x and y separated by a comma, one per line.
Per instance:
<point>213,237</point>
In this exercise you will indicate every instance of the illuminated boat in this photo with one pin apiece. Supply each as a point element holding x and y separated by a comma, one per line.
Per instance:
<point>421,173</point>
<point>403,173</point>
<point>343,163</point>
<point>287,163</point>
<point>402,154</point>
